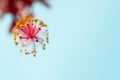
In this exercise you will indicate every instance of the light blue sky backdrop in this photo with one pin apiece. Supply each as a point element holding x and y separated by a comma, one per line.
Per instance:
<point>84,43</point>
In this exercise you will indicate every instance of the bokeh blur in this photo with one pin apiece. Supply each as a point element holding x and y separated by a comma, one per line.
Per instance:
<point>84,43</point>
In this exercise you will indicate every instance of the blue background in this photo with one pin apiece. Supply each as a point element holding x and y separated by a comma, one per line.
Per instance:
<point>84,43</point>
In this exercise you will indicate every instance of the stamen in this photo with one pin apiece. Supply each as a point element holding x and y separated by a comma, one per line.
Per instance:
<point>27,29</point>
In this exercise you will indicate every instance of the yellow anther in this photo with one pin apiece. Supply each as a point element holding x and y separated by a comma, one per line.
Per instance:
<point>16,43</point>
<point>47,39</point>
<point>42,24</point>
<point>16,33</point>
<point>36,20</point>
<point>27,53</point>
<point>21,26</point>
